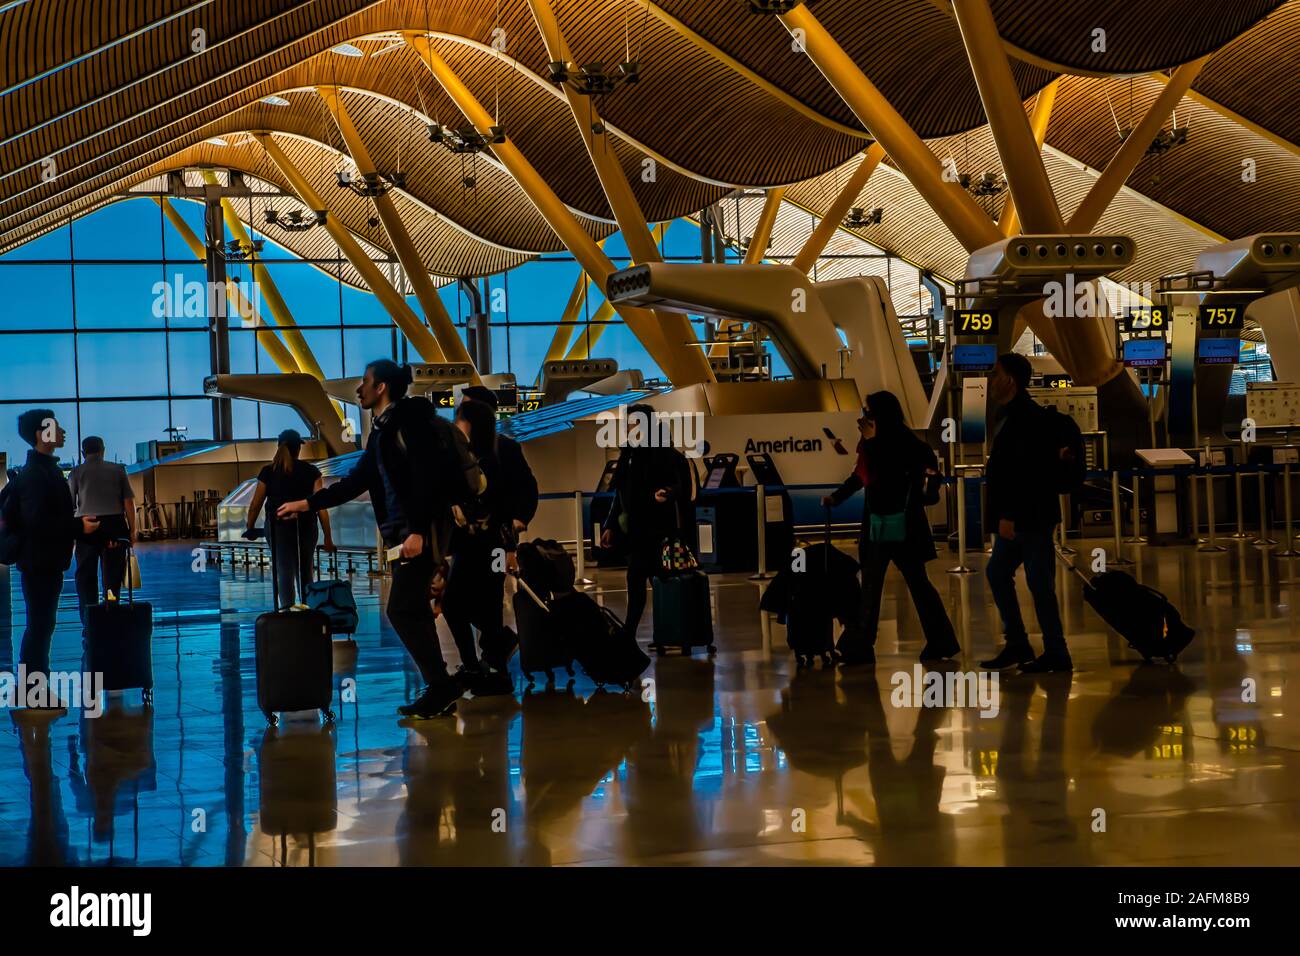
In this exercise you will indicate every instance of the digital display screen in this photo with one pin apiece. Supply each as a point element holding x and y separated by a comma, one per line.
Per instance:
<point>1146,318</point>
<point>974,322</point>
<point>1144,353</point>
<point>1221,315</point>
<point>974,358</point>
<point>1218,351</point>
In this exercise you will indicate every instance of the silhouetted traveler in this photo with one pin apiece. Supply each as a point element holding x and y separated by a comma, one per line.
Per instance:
<point>293,539</point>
<point>484,549</point>
<point>41,524</point>
<point>894,469</point>
<point>653,500</point>
<point>416,466</point>
<point>102,490</point>
<point>1024,506</point>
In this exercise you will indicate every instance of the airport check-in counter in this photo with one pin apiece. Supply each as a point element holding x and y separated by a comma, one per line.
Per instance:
<point>1167,517</point>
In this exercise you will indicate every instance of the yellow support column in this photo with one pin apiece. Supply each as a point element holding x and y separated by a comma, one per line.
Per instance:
<point>960,213</point>
<point>829,223</point>
<point>1126,159</point>
<point>582,343</point>
<point>1022,161</point>
<point>293,337</point>
<point>682,364</point>
<point>266,337</point>
<point>435,312</point>
<point>422,340</point>
<point>564,328</point>
<point>676,328</point>
<point>1009,223</point>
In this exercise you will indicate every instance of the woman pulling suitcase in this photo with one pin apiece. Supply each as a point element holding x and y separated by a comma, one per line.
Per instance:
<point>483,549</point>
<point>894,469</point>
<point>293,539</point>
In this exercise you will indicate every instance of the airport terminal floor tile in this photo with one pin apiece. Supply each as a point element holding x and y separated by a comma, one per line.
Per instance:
<point>735,760</point>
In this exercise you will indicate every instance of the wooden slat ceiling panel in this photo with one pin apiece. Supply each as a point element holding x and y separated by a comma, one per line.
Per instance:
<point>55,32</point>
<point>445,249</point>
<point>1255,75</point>
<point>910,49</point>
<point>164,62</point>
<point>1140,37</point>
<point>693,108</point>
<point>1201,179</point>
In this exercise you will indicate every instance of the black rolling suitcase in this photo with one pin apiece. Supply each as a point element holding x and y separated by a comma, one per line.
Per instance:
<point>543,644</point>
<point>605,651</point>
<point>1141,615</point>
<point>810,616</point>
<point>294,655</point>
<point>682,615</point>
<point>119,639</point>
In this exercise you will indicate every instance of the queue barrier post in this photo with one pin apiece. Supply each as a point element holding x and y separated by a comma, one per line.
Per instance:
<point>1117,560</point>
<point>760,507</point>
<point>1211,534</point>
<point>1263,541</point>
<point>961,567</point>
<point>1290,551</point>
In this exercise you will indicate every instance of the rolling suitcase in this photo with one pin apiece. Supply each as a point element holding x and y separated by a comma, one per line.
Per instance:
<point>1139,614</point>
<point>119,640</point>
<point>543,645</point>
<point>605,651</point>
<point>547,566</point>
<point>682,615</point>
<point>809,616</point>
<point>294,655</point>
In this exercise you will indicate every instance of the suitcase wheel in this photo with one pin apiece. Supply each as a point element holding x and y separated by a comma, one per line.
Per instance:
<point>569,669</point>
<point>658,649</point>
<point>713,649</point>
<point>329,715</point>
<point>530,678</point>
<point>826,660</point>
<point>271,718</point>
<point>146,696</point>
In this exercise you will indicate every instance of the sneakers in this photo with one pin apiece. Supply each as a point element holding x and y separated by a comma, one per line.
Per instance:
<point>1013,653</point>
<point>1051,662</point>
<point>438,700</point>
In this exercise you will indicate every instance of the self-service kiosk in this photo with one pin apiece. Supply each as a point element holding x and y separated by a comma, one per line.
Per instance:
<point>727,517</point>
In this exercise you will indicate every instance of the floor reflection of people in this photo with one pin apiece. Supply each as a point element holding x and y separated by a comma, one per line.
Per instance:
<point>119,764</point>
<point>568,746</point>
<point>912,830</point>
<point>297,792</point>
<point>1038,828</point>
<point>459,804</point>
<point>663,810</point>
<point>47,828</point>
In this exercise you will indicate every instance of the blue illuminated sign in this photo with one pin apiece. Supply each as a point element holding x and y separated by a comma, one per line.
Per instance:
<point>1144,353</point>
<point>1218,351</point>
<point>974,358</point>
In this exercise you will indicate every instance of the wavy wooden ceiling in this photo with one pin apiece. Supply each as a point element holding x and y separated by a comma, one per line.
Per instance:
<point>142,102</point>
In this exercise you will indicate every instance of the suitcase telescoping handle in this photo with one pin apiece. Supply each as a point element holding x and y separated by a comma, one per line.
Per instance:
<point>130,588</point>
<point>531,593</point>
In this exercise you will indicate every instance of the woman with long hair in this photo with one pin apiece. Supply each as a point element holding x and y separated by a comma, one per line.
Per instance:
<point>893,469</point>
<point>483,549</point>
<point>288,479</point>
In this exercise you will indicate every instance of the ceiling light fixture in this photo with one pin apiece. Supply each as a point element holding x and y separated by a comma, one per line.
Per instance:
<point>859,218</point>
<point>370,185</point>
<point>295,221</point>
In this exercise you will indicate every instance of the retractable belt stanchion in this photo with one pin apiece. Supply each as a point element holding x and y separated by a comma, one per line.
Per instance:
<point>961,567</point>
<point>1211,536</point>
<point>1290,551</point>
<point>1263,541</point>
<point>1137,537</point>
<point>580,539</point>
<point>1064,546</point>
<point>760,498</point>
<point>1240,534</point>
<point>1118,560</point>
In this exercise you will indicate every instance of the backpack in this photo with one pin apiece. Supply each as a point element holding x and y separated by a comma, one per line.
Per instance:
<point>11,539</point>
<point>1068,473</point>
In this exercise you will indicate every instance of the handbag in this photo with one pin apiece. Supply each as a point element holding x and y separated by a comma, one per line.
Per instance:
<point>676,556</point>
<point>133,570</point>
<point>891,527</point>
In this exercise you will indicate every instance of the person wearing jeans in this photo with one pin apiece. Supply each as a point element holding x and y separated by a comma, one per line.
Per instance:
<point>101,488</point>
<point>39,512</point>
<point>1026,509</point>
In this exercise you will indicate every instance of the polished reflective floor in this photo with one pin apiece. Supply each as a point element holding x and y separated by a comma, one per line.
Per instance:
<point>738,759</point>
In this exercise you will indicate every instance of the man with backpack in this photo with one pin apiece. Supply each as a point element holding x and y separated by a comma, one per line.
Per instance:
<point>38,531</point>
<point>1037,456</point>
<point>416,467</point>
